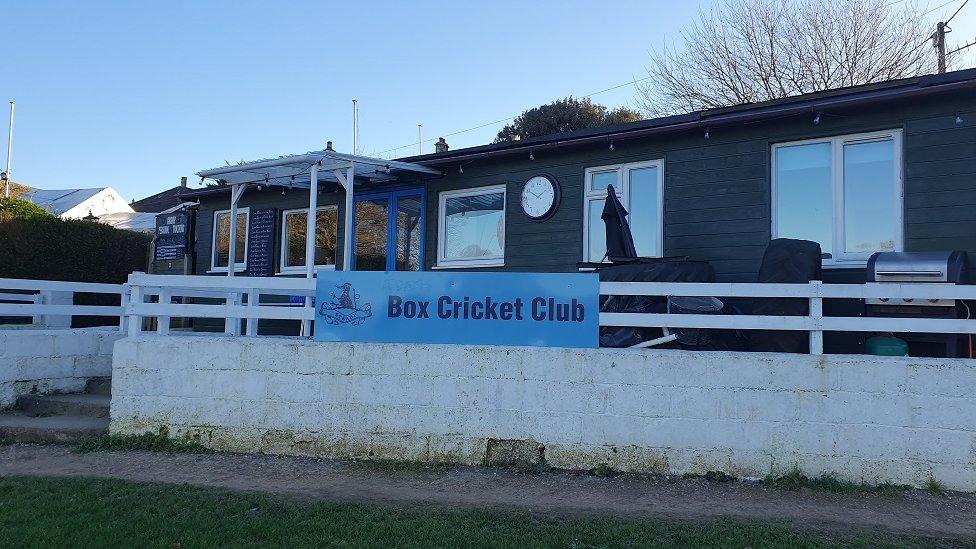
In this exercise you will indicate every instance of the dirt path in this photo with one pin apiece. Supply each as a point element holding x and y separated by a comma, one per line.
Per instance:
<point>556,493</point>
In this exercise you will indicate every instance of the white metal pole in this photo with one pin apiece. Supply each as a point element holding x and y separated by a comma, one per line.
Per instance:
<point>232,245</point>
<point>420,138</point>
<point>347,220</point>
<point>313,202</point>
<point>10,148</point>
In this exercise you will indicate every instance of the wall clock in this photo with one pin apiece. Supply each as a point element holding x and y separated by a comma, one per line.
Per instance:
<point>540,197</point>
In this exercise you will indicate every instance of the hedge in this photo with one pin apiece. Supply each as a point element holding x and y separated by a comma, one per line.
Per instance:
<point>48,248</point>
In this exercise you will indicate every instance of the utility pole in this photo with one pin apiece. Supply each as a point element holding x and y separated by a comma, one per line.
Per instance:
<point>938,41</point>
<point>355,127</point>
<point>420,138</point>
<point>10,148</point>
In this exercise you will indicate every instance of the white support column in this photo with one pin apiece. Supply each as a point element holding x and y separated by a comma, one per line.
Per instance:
<point>816,314</point>
<point>232,245</point>
<point>313,203</point>
<point>232,326</point>
<point>347,181</point>
<point>162,322</point>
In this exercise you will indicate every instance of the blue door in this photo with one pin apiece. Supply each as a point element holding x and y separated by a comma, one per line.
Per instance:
<point>388,229</point>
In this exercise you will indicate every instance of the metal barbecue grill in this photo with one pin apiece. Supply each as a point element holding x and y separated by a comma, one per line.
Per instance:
<point>916,268</point>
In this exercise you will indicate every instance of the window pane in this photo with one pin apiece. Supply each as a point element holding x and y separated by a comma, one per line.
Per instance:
<point>371,235</point>
<point>474,226</point>
<point>223,239</point>
<point>804,205</point>
<point>643,211</point>
<point>326,236</point>
<point>295,231</point>
<point>870,205</point>
<point>408,234</point>
<point>596,240</point>
<point>600,180</point>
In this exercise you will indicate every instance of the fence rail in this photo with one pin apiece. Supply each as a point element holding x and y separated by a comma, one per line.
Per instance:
<point>241,298</point>
<point>51,302</point>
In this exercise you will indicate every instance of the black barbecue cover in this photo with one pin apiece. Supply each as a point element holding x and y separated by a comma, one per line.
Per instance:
<point>665,271</point>
<point>786,261</point>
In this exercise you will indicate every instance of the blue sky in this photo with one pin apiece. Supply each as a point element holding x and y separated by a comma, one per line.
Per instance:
<point>136,94</point>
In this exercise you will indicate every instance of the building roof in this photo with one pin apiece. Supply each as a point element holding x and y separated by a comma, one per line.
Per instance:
<point>807,103</point>
<point>58,201</point>
<point>161,201</point>
<point>131,221</point>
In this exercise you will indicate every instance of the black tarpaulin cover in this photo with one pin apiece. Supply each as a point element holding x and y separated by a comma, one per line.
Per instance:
<point>665,271</point>
<point>786,261</point>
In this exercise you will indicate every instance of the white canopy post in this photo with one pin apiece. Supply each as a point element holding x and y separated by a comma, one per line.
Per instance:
<point>313,203</point>
<point>347,180</point>
<point>232,247</point>
<point>233,325</point>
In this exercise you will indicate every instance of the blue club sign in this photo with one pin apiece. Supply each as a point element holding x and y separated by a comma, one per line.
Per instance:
<point>552,310</point>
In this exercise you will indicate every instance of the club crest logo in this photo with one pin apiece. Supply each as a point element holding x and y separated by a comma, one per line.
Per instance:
<point>342,307</point>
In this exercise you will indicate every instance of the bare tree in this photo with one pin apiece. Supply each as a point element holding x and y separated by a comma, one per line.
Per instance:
<point>748,51</point>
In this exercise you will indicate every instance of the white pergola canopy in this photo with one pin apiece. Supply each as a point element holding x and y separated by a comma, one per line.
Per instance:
<point>295,170</point>
<point>306,171</point>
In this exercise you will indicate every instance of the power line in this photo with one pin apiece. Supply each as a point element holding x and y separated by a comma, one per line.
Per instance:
<point>957,11</point>
<point>506,119</point>
<point>940,6</point>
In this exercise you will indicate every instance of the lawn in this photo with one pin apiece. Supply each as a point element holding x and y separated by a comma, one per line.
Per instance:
<point>46,512</point>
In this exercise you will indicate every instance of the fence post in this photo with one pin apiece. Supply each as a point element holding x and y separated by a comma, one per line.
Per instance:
<point>123,302</point>
<point>253,300</point>
<point>232,325</point>
<point>38,298</point>
<point>135,319</point>
<point>816,314</point>
<point>162,322</point>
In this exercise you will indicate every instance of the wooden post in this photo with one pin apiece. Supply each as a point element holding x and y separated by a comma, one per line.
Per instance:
<point>135,319</point>
<point>162,322</point>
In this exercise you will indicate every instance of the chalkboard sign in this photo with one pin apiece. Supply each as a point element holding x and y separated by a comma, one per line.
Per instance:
<point>171,236</point>
<point>260,242</point>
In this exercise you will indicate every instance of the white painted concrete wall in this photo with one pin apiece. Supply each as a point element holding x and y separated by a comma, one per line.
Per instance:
<point>861,418</point>
<point>52,361</point>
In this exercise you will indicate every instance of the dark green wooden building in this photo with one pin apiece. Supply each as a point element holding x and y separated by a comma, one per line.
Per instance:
<point>888,166</point>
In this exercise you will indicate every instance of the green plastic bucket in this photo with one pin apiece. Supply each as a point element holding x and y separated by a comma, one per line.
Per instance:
<point>886,346</point>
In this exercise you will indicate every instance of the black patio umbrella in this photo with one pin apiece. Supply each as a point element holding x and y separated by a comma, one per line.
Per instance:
<point>620,243</point>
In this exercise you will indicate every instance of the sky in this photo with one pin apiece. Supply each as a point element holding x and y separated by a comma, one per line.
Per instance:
<point>136,94</point>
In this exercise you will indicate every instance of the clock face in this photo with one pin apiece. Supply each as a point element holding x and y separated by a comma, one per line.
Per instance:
<point>539,197</point>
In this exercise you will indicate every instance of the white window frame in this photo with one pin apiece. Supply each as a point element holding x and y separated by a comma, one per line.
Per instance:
<point>238,267</point>
<point>840,257</point>
<point>623,193</point>
<point>300,269</point>
<point>445,263</point>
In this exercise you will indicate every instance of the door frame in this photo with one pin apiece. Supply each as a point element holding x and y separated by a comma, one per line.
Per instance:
<point>392,196</point>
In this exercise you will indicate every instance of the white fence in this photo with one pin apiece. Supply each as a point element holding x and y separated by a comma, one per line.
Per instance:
<point>232,292</point>
<point>51,302</point>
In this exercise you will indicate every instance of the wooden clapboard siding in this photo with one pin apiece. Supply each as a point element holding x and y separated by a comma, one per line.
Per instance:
<point>716,190</point>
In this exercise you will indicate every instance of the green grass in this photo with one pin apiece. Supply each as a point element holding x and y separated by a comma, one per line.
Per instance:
<point>795,480</point>
<point>48,512</point>
<point>934,486</point>
<point>148,442</point>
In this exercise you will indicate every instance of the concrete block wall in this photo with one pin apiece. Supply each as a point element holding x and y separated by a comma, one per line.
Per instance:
<point>870,419</point>
<point>52,360</point>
